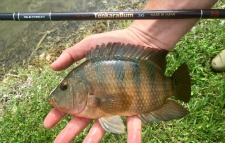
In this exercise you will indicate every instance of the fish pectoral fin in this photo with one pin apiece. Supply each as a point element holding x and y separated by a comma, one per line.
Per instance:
<point>112,124</point>
<point>114,104</point>
<point>170,110</point>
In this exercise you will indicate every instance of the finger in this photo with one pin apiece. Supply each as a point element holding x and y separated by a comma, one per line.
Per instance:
<point>134,129</point>
<point>79,51</point>
<point>95,134</point>
<point>53,117</point>
<point>63,61</point>
<point>72,54</point>
<point>72,129</point>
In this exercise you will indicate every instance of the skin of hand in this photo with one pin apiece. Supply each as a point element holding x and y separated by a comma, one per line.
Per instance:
<point>77,124</point>
<point>150,33</point>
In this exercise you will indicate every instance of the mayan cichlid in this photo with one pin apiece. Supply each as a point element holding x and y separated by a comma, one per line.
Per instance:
<point>123,80</point>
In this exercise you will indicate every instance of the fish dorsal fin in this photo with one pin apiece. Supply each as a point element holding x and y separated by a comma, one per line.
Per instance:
<point>129,51</point>
<point>112,124</point>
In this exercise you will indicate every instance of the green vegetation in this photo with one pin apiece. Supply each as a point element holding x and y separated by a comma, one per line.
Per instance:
<point>22,120</point>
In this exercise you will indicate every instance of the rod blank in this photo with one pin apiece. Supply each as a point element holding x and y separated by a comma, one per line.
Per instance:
<point>116,15</point>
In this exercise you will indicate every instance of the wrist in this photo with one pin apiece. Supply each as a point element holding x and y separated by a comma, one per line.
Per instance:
<point>178,4</point>
<point>166,33</point>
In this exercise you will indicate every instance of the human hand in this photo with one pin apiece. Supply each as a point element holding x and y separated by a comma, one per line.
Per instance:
<point>132,35</point>
<point>77,52</point>
<point>96,133</point>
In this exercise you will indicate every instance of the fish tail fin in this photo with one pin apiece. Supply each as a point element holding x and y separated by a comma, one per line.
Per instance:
<point>182,83</point>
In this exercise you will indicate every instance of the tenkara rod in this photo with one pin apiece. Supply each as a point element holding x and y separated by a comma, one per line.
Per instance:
<point>116,15</point>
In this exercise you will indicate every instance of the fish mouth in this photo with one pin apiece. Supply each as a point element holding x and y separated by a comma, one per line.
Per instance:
<point>53,103</point>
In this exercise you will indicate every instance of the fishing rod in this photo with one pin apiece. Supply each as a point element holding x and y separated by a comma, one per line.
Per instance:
<point>116,15</point>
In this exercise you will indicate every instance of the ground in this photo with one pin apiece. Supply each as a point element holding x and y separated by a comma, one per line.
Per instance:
<point>23,90</point>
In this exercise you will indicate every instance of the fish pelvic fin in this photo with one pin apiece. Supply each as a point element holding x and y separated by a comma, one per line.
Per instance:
<point>112,124</point>
<point>182,83</point>
<point>170,110</point>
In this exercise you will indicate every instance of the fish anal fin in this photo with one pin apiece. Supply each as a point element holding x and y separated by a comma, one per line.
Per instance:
<point>112,124</point>
<point>170,110</point>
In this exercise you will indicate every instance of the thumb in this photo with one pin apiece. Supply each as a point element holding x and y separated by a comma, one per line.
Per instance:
<point>72,54</point>
<point>79,50</point>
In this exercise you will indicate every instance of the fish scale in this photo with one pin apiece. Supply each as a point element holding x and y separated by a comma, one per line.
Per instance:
<point>123,80</point>
<point>129,86</point>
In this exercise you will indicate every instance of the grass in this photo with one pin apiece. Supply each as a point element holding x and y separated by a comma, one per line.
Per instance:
<point>23,117</point>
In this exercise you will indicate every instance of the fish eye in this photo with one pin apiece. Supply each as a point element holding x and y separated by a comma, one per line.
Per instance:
<point>63,86</point>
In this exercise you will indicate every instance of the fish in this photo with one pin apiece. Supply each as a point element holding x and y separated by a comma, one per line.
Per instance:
<point>119,79</point>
